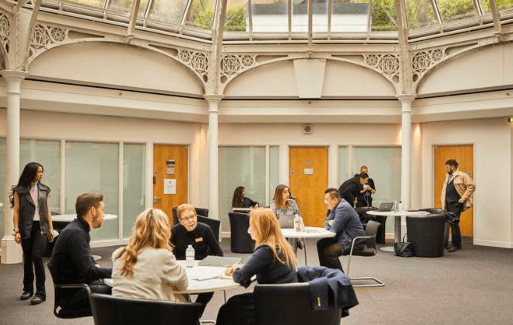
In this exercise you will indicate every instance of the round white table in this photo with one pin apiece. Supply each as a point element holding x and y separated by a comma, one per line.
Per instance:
<point>397,222</point>
<point>204,279</point>
<point>310,232</point>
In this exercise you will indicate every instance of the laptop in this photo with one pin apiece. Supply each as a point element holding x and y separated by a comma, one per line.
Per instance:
<point>386,206</point>
<point>287,221</point>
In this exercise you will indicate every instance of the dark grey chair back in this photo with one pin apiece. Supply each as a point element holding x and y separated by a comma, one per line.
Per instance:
<point>110,310</point>
<point>240,240</point>
<point>278,304</point>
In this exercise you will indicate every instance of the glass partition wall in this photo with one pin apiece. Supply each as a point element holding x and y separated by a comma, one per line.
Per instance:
<point>246,166</point>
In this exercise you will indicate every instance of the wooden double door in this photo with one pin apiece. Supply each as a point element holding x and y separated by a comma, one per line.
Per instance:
<point>464,154</point>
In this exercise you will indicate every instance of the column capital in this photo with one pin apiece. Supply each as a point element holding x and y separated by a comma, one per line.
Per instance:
<point>213,98</point>
<point>14,79</point>
<point>406,98</point>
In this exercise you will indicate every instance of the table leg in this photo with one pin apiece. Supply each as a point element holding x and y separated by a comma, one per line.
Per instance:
<point>306,259</point>
<point>397,229</point>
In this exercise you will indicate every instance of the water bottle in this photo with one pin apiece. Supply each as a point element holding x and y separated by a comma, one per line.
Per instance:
<point>297,225</point>
<point>401,207</point>
<point>395,206</point>
<point>189,256</point>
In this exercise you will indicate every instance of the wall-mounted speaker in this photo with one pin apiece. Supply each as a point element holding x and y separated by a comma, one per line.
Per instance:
<point>307,128</point>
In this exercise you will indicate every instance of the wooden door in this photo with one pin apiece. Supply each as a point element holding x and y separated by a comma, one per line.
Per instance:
<point>170,177</point>
<point>464,155</point>
<point>308,180</point>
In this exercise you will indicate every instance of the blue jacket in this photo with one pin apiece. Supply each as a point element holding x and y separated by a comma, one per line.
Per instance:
<point>346,223</point>
<point>328,288</point>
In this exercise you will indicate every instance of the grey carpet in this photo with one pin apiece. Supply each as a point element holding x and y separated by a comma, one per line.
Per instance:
<point>471,286</point>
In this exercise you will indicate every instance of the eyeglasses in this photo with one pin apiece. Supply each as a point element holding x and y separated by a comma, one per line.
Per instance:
<point>188,218</point>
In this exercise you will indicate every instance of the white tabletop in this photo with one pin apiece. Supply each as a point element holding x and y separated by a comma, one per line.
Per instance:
<point>310,232</point>
<point>218,282</point>
<point>71,217</point>
<point>397,213</point>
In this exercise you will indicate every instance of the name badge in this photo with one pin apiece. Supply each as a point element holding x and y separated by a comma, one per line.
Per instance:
<point>199,239</point>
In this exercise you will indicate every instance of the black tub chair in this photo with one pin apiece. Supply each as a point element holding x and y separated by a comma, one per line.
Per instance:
<point>277,304</point>
<point>240,240</point>
<point>427,234</point>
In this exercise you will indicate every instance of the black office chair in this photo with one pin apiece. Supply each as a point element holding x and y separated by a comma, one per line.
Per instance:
<point>63,308</point>
<point>278,304</point>
<point>110,310</point>
<point>240,240</point>
<point>369,249</point>
<point>214,224</point>
<point>202,212</point>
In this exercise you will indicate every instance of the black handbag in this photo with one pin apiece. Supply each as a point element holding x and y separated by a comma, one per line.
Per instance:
<point>403,248</point>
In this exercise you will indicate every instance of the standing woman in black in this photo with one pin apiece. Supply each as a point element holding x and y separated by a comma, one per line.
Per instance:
<point>32,221</point>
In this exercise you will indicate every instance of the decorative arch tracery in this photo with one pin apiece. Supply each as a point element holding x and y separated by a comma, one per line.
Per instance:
<point>5,35</point>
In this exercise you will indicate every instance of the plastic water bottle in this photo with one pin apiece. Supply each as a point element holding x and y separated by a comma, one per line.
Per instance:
<point>297,224</point>
<point>401,207</point>
<point>395,206</point>
<point>189,256</point>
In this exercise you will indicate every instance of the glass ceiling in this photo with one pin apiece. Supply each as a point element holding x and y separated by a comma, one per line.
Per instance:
<point>289,18</point>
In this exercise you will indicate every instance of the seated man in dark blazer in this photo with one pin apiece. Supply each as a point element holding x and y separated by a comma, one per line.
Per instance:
<point>191,232</point>
<point>71,260</point>
<point>343,220</point>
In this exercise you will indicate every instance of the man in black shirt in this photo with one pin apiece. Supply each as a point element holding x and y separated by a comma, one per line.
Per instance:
<point>199,235</point>
<point>352,188</point>
<point>71,260</point>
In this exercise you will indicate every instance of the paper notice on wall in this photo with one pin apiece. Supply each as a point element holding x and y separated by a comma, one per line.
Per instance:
<point>169,186</point>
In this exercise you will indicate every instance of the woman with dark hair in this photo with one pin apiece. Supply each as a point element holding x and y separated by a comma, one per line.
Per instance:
<point>272,262</point>
<point>32,221</point>
<point>146,268</point>
<point>240,200</point>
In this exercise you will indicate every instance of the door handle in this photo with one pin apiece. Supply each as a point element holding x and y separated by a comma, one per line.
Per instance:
<point>155,199</point>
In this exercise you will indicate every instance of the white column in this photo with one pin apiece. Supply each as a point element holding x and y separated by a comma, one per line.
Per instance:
<point>333,166</point>
<point>213,152</point>
<point>11,252</point>
<point>406,150</point>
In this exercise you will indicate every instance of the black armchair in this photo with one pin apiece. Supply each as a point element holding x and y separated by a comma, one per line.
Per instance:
<point>64,305</point>
<point>110,310</point>
<point>278,304</point>
<point>240,240</point>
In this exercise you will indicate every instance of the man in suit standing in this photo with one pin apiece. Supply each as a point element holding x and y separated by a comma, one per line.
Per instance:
<point>456,197</point>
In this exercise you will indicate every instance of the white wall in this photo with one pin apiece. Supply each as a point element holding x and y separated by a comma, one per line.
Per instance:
<point>101,63</point>
<point>341,79</point>
<point>493,173</point>
<point>491,66</point>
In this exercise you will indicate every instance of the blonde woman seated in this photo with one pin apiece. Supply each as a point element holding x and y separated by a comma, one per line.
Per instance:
<point>272,262</point>
<point>146,267</point>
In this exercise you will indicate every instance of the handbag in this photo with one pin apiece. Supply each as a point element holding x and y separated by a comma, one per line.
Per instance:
<point>403,248</point>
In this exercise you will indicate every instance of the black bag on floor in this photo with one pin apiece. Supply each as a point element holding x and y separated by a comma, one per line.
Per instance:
<point>403,248</point>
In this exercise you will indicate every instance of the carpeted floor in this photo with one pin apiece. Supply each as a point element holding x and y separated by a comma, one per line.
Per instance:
<point>471,286</point>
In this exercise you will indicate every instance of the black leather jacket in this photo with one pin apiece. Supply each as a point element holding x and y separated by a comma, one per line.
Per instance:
<point>28,208</point>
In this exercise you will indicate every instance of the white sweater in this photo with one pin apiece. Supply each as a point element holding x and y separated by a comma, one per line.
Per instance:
<point>155,273</point>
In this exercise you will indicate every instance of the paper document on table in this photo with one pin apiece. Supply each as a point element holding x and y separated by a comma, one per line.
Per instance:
<point>219,261</point>
<point>204,273</point>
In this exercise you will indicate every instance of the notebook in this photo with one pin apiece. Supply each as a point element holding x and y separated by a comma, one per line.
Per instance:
<point>219,261</point>
<point>386,206</point>
<point>287,221</point>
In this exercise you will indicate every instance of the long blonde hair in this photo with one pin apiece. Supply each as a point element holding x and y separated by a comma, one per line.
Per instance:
<point>151,229</point>
<point>268,232</point>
